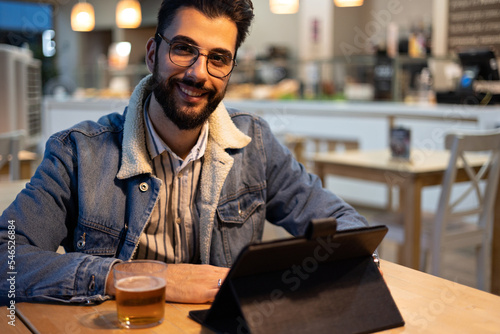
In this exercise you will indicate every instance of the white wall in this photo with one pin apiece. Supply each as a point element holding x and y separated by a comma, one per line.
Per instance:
<point>320,11</point>
<point>440,28</point>
<point>67,43</point>
<point>348,23</point>
<point>271,29</point>
<point>357,30</point>
<point>409,12</point>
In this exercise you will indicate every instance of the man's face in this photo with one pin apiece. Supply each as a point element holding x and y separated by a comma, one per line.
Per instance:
<point>189,95</point>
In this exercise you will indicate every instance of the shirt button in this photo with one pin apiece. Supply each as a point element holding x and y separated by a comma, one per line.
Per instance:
<point>143,187</point>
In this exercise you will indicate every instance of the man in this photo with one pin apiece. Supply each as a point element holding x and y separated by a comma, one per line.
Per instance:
<point>177,177</point>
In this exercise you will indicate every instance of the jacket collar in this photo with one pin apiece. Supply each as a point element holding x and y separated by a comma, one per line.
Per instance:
<point>135,157</point>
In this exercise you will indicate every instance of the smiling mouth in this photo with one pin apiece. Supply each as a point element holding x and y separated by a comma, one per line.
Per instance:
<point>190,92</point>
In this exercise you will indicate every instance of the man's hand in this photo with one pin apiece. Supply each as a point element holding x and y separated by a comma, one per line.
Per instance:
<point>187,283</point>
<point>193,283</point>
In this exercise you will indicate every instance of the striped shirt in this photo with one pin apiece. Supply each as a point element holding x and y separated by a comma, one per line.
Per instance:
<point>171,232</point>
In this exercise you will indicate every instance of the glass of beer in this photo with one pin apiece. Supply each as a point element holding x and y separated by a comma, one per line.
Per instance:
<point>140,292</point>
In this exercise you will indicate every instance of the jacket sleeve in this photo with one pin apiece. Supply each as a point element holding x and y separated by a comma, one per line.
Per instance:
<point>295,197</point>
<point>41,218</point>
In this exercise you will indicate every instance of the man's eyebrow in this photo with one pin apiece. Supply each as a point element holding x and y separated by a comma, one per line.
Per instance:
<point>182,38</point>
<point>189,40</point>
<point>224,52</point>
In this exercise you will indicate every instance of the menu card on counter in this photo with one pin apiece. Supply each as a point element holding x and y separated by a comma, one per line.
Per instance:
<point>400,143</point>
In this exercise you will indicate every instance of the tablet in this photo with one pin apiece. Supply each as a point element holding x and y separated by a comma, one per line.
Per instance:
<point>323,282</point>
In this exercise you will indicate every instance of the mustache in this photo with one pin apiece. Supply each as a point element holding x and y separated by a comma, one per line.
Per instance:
<point>192,83</point>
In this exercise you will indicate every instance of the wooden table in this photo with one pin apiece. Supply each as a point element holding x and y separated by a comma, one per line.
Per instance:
<point>26,162</point>
<point>9,191</point>
<point>427,303</point>
<point>425,168</point>
<point>10,323</point>
<point>62,318</point>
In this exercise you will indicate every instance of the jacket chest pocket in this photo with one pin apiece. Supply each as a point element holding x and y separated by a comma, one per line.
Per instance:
<point>240,222</point>
<point>94,239</point>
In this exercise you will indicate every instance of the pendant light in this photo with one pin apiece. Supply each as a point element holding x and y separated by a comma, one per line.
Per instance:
<point>128,14</point>
<point>348,3</point>
<point>284,6</point>
<point>82,17</point>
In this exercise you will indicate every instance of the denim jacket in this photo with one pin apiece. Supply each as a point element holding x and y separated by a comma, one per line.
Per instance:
<point>94,191</point>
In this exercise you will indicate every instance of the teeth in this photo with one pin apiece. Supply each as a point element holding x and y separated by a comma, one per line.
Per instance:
<point>190,93</point>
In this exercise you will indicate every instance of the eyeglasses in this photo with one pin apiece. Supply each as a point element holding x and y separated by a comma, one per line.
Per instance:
<point>184,55</point>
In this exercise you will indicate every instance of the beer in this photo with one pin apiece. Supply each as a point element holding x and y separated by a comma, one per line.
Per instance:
<point>140,301</point>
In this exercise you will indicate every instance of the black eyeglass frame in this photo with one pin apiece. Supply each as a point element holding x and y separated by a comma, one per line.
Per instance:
<point>166,40</point>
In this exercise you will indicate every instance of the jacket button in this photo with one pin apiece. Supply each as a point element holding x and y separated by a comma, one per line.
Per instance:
<point>143,187</point>
<point>81,242</point>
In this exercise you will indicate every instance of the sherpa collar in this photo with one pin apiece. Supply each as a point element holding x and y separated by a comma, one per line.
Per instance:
<point>135,158</point>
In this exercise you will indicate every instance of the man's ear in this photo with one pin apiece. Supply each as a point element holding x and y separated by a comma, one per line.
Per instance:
<point>150,54</point>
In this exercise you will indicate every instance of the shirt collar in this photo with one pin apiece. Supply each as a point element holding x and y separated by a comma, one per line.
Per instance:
<point>157,146</point>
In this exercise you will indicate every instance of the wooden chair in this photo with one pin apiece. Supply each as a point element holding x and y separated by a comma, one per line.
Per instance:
<point>452,226</point>
<point>10,146</point>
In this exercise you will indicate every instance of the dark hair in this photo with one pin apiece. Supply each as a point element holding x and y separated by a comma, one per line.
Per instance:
<point>239,11</point>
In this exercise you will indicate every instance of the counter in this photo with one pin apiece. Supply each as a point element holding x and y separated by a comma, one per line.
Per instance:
<point>366,122</point>
<point>282,115</point>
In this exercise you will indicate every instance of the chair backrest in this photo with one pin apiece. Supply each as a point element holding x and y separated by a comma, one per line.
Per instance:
<point>461,144</point>
<point>10,145</point>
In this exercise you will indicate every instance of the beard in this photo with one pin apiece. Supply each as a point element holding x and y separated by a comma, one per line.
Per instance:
<point>182,117</point>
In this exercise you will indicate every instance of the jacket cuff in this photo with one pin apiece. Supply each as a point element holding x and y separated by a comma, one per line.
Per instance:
<point>90,281</point>
<point>109,272</point>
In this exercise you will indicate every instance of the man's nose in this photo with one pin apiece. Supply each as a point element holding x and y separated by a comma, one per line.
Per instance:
<point>200,67</point>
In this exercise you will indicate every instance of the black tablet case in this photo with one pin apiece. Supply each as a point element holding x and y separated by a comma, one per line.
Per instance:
<point>325,282</point>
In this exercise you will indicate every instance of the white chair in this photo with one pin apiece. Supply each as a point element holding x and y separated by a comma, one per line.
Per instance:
<point>452,227</point>
<point>10,145</point>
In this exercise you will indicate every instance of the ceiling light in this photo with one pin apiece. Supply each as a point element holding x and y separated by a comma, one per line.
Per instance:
<point>128,14</point>
<point>82,17</point>
<point>284,6</point>
<point>348,3</point>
